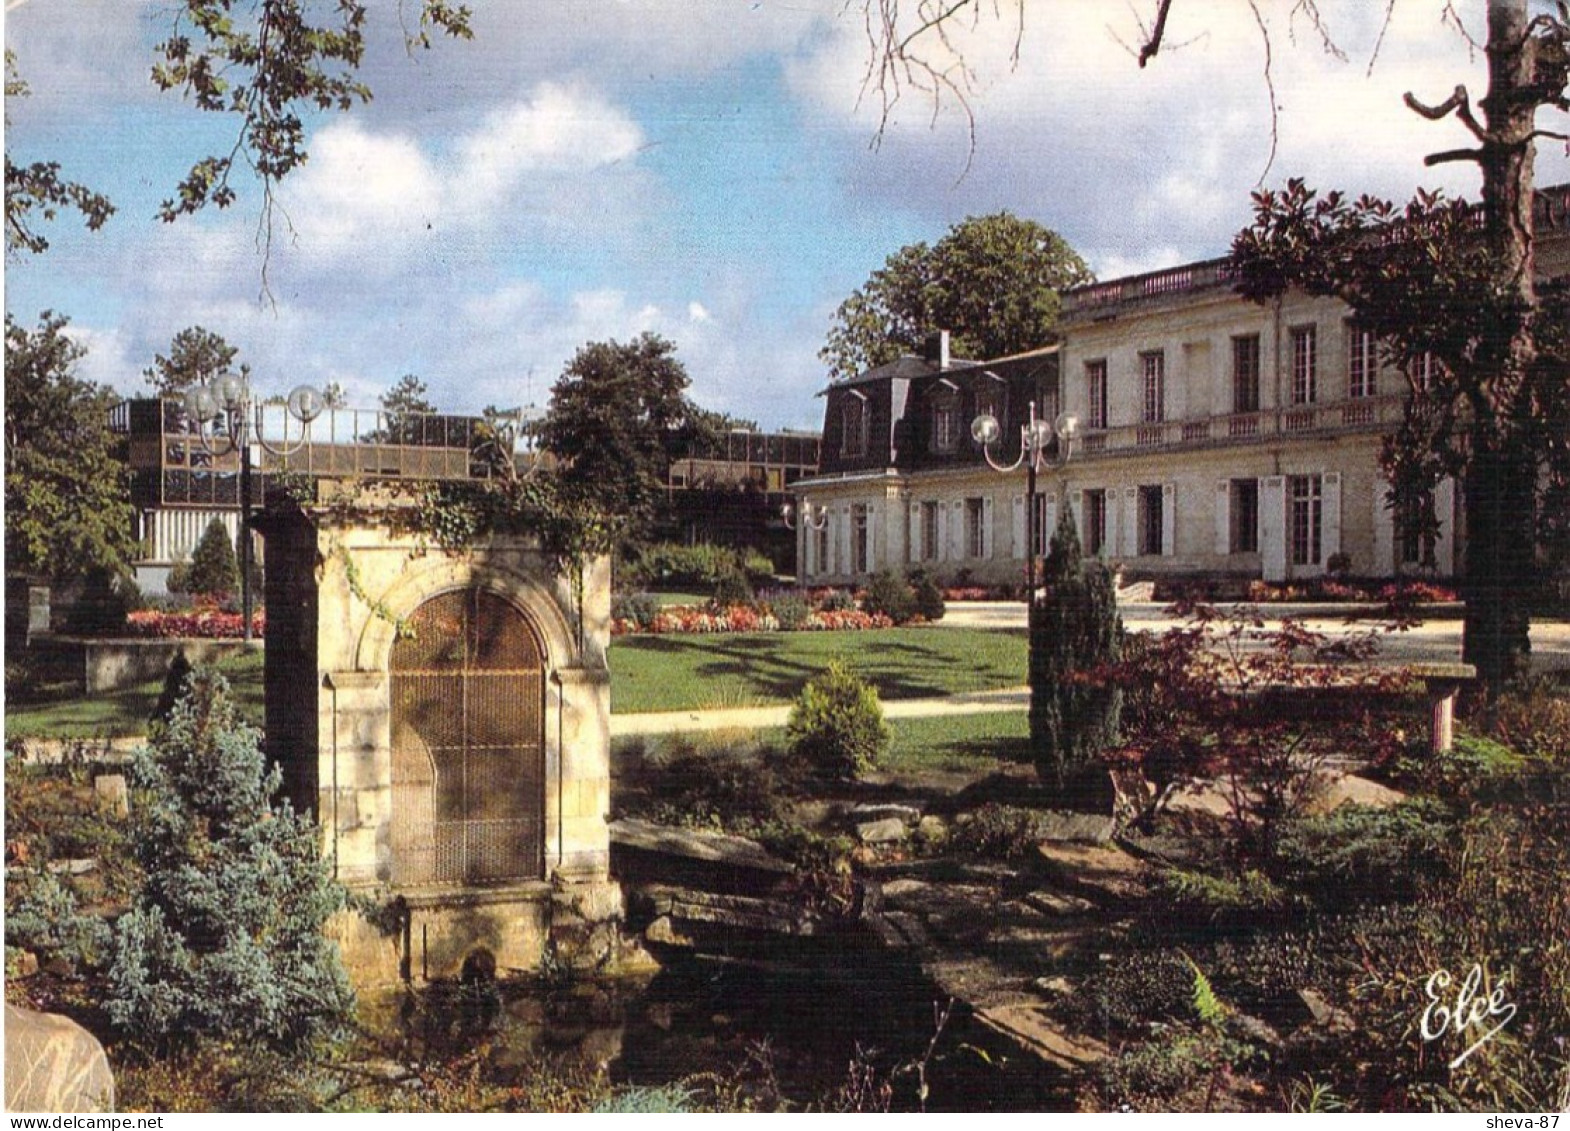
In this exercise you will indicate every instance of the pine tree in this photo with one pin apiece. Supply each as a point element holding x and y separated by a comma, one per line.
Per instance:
<point>214,569</point>
<point>225,938</point>
<point>1075,636</point>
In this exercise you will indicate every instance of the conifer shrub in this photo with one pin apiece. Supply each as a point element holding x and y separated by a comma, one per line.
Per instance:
<point>888,593</point>
<point>225,938</point>
<point>1075,638</point>
<point>928,596</point>
<point>836,726</point>
<point>214,569</point>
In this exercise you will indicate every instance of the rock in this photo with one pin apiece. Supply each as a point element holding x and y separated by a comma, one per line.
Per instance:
<point>52,1064</point>
<point>932,830</point>
<point>1056,903</point>
<point>1086,828</point>
<point>1038,1033</point>
<point>1329,791</point>
<point>111,795</point>
<point>26,964</point>
<point>1253,1029</point>
<point>1058,986</point>
<point>889,830</point>
<point>1207,798</point>
<point>694,844</point>
<point>900,888</point>
<point>1099,872</point>
<point>1325,1014</point>
<point>74,867</point>
<point>861,814</point>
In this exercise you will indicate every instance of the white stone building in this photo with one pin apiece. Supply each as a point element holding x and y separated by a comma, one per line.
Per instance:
<point>1218,438</point>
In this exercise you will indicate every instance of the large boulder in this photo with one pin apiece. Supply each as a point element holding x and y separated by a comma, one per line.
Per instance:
<point>52,1064</point>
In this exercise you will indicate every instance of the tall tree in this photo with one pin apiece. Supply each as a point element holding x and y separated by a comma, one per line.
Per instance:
<point>195,357</point>
<point>618,416</point>
<point>67,497</point>
<point>1438,286</point>
<point>992,281</point>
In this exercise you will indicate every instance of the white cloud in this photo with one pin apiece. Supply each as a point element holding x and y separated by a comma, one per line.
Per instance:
<point>696,312</point>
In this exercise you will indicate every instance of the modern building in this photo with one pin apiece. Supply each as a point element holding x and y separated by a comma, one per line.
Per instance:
<point>1218,438</point>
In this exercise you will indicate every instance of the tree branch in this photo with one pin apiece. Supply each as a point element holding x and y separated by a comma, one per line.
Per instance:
<point>1453,155</point>
<point>1153,45</point>
<point>1459,103</point>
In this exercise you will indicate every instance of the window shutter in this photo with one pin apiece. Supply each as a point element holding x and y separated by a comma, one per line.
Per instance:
<point>1128,522</point>
<point>1384,533</point>
<point>915,532</point>
<point>1445,544</point>
<point>986,527</point>
<point>1273,527</point>
<point>1018,532</point>
<point>1331,494</point>
<point>1168,519</point>
<point>1223,517</point>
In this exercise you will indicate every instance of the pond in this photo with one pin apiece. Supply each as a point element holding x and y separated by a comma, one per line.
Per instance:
<point>847,1037</point>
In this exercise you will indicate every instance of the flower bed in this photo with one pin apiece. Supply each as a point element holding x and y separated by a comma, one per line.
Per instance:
<point>744,618</point>
<point>1327,589</point>
<point>199,623</point>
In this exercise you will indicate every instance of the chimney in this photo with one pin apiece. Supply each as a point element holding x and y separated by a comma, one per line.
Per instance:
<point>936,349</point>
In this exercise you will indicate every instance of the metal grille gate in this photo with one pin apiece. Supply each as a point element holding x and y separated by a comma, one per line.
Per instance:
<point>468,758</point>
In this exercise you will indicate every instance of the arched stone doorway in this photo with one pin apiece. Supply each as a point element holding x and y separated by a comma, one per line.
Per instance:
<point>468,743</point>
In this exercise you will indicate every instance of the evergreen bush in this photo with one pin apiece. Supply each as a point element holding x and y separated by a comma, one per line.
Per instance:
<point>225,938</point>
<point>1075,638</point>
<point>928,595</point>
<point>836,725</point>
<point>214,569</point>
<point>733,588</point>
<point>887,593</point>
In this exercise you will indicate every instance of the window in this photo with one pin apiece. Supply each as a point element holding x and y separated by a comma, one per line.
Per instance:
<point>1245,373</point>
<point>1305,364</point>
<point>1362,362</point>
<point>1043,531</point>
<point>929,531</point>
<point>1150,519</point>
<point>820,548</point>
<point>853,422</point>
<point>858,537</point>
<point>1095,522</point>
<point>1425,372</point>
<point>1304,491</point>
<point>1096,393</point>
<point>975,528</point>
<point>1153,366</point>
<point>992,400</point>
<point>1243,511</point>
<point>945,420</point>
<point>1416,532</point>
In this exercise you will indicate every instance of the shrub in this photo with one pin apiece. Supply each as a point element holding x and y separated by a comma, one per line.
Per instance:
<point>837,601</point>
<point>1198,899</point>
<point>214,569</point>
<point>791,610</point>
<point>836,726</point>
<point>1003,832</point>
<point>757,566</point>
<point>928,596</point>
<point>225,938</point>
<point>637,609</point>
<point>47,921</point>
<point>179,580</point>
<point>105,601</point>
<point>888,594</point>
<point>1358,853</point>
<point>1075,638</point>
<point>733,588</point>
<point>1472,769</point>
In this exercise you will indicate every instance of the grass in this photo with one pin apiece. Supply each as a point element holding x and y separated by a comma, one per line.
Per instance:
<point>970,744</point>
<point>119,713</point>
<point>682,673</point>
<point>650,673</point>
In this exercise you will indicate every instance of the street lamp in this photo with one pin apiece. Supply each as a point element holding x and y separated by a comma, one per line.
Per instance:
<point>1034,439</point>
<point>813,516</point>
<point>227,400</point>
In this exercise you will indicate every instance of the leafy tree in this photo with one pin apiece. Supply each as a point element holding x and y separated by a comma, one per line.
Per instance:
<point>67,499</point>
<point>1076,637</point>
<point>1442,282</point>
<point>214,568</point>
<point>196,356</point>
<point>992,281</point>
<point>225,938</point>
<point>38,190</point>
<point>404,409</point>
<point>618,416</point>
<point>333,395</point>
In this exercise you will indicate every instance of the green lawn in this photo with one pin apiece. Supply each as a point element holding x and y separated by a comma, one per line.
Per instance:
<point>117,713</point>
<point>681,672</point>
<point>649,673</point>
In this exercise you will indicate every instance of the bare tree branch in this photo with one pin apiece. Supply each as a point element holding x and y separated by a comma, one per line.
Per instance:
<point>1153,43</point>
<point>1459,103</point>
<point>1270,88</point>
<point>1450,155</point>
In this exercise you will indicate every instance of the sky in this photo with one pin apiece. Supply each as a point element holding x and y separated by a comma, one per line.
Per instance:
<point>709,170</point>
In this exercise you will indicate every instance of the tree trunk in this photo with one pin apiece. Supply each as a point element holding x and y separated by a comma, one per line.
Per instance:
<point>1501,487</point>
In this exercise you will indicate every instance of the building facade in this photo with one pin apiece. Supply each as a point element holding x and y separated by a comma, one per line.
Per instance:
<point>1218,438</point>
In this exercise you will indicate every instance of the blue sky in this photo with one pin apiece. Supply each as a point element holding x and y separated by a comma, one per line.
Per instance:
<point>699,168</point>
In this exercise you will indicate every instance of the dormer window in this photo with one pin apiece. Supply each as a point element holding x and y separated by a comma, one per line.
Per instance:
<point>992,399</point>
<point>853,425</point>
<point>945,417</point>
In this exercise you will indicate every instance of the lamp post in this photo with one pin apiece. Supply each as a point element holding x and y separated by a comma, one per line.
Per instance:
<point>1034,439</point>
<point>227,400</point>
<point>813,517</point>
